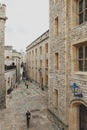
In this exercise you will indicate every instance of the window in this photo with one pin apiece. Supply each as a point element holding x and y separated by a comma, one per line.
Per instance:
<point>46,47</point>
<point>32,53</point>
<point>46,80</point>
<point>56,26</point>
<point>56,61</point>
<point>55,98</point>
<point>41,50</point>
<point>82,11</point>
<point>36,51</point>
<point>46,63</point>
<point>82,58</point>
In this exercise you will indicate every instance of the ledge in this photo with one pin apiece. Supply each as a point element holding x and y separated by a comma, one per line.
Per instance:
<point>56,119</point>
<point>80,73</point>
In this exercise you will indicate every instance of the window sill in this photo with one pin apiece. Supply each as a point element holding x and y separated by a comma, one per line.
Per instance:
<point>80,73</point>
<point>79,25</point>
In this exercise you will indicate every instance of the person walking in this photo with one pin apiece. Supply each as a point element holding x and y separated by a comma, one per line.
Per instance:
<point>28,115</point>
<point>27,86</point>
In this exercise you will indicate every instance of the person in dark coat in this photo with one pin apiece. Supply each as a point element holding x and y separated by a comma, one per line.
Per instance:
<point>27,86</point>
<point>28,115</point>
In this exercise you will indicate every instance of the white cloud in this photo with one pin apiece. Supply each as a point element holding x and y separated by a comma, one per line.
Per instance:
<point>27,19</point>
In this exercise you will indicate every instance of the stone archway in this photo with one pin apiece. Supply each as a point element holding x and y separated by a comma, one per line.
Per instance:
<point>78,121</point>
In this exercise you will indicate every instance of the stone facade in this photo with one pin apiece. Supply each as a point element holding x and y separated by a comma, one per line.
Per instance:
<point>2,40</point>
<point>23,57</point>
<point>8,55</point>
<point>12,74</point>
<point>10,78</point>
<point>37,60</point>
<point>16,56</point>
<point>66,36</point>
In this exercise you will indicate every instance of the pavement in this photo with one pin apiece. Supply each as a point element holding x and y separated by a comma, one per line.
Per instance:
<point>18,102</point>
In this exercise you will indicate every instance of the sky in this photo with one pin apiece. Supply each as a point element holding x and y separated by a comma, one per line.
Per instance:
<point>27,20</point>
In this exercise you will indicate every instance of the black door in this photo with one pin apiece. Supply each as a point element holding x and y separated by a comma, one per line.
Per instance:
<point>83,117</point>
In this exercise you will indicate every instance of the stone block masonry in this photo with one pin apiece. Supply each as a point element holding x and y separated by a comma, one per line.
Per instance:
<point>2,42</point>
<point>67,49</point>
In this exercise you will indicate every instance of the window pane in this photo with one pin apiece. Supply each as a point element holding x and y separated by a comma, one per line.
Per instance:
<point>80,5</point>
<point>81,53</point>
<point>86,3</point>
<point>86,65</point>
<point>85,15</point>
<point>86,52</point>
<point>81,65</point>
<point>80,18</point>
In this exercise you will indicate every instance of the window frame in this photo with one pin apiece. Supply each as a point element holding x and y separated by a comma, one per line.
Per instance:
<point>56,26</point>
<point>83,59</point>
<point>82,12</point>
<point>56,61</point>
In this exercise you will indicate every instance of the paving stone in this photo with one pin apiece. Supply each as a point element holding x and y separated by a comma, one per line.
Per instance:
<point>21,100</point>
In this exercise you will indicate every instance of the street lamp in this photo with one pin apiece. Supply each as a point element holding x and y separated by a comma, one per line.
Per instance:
<point>77,93</point>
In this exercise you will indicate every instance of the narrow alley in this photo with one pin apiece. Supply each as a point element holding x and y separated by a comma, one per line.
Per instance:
<point>18,102</point>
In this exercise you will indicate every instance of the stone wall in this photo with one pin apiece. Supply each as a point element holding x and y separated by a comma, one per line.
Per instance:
<point>2,40</point>
<point>70,36</point>
<point>77,37</point>
<point>57,79</point>
<point>10,78</point>
<point>8,55</point>
<point>37,59</point>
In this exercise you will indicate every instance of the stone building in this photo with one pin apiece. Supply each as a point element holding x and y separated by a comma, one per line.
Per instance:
<point>10,78</point>
<point>8,55</point>
<point>12,66</point>
<point>23,57</point>
<point>37,60</point>
<point>16,56</point>
<point>2,42</point>
<point>68,64</point>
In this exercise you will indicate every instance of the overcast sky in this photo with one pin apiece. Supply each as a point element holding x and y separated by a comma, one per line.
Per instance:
<point>27,20</point>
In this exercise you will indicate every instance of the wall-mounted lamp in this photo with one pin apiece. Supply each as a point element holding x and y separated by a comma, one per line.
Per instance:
<point>77,91</point>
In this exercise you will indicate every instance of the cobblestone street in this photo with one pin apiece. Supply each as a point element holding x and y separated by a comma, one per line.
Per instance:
<point>18,102</point>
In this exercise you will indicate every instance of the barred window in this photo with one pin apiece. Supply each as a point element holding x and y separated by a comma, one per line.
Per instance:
<point>82,11</point>
<point>82,58</point>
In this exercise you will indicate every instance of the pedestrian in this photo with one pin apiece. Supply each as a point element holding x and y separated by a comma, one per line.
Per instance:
<point>27,86</point>
<point>28,115</point>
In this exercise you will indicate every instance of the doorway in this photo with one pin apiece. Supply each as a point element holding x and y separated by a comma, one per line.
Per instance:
<point>83,117</point>
<point>78,116</point>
